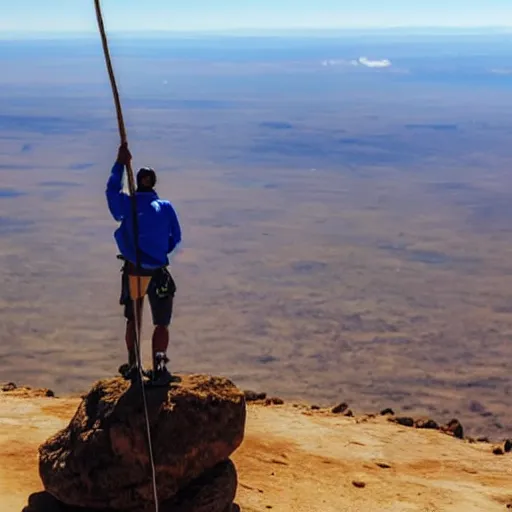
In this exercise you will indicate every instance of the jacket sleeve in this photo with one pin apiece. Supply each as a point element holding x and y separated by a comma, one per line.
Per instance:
<point>175,229</point>
<point>116,198</point>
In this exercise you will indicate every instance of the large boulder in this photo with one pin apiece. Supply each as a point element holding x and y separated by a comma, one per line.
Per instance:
<point>213,491</point>
<point>101,459</point>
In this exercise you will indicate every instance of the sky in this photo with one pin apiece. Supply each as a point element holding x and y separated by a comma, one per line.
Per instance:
<point>213,15</point>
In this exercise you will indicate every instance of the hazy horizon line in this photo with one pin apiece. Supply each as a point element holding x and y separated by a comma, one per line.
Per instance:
<point>340,31</point>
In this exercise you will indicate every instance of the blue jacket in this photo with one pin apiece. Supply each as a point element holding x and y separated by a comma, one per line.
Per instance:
<point>159,228</point>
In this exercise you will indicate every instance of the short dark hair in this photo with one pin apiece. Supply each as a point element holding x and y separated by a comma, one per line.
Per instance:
<point>146,172</point>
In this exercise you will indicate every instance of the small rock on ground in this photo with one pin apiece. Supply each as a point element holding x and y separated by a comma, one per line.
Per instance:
<point>340,408</point>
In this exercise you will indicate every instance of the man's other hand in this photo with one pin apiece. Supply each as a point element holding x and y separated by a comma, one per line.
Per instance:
<point>123,155</point>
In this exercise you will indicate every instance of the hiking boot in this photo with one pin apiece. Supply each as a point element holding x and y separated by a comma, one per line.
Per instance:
<point>161,378</point>
<point>129,372</point>
<point>159,361</point>
<point>160,374</point>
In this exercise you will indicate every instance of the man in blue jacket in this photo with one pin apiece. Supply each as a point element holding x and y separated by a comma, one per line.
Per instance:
<point>159,234</point>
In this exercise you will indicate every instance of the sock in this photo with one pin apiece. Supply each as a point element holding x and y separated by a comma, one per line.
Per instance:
<point>160,341</point>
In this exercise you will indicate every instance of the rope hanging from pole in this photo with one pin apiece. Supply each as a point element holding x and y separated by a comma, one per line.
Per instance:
<point>131,187</point>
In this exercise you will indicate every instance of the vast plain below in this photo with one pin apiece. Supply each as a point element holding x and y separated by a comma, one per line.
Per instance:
<point>345,204</point>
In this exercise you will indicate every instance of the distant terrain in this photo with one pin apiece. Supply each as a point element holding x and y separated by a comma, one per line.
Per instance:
<point>346,205</point>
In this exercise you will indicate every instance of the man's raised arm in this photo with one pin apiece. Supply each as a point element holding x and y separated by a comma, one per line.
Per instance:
<point>116,198</point>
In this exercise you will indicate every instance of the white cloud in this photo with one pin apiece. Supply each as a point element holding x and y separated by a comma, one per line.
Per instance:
<point>362,61</point>
<point>384,63</point>
<point>333,62</point>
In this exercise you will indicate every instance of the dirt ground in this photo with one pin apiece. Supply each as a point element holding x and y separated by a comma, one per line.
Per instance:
<point>294,459</point>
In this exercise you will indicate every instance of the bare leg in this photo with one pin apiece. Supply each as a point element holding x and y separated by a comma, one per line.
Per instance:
<point>130,333</point>
<point>130,341</point>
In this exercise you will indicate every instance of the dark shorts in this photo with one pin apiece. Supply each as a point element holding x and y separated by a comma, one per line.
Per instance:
<point>160,293</point>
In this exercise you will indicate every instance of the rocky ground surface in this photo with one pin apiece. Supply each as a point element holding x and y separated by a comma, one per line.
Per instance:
<point>295,458</point>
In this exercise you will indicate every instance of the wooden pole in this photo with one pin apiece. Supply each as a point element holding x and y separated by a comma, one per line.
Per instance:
<point>115,92</point>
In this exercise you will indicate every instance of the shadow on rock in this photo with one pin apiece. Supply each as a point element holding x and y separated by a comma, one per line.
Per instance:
<point>214,491</point>
<point>45,502</point>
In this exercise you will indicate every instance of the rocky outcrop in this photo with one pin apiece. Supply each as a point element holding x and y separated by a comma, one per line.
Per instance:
<point>454,428</point>
<point>340,408</point>
<point>403,420</point>
<point>506,448</point>
<point>12,390</point>
<point>426,423</point>
<point>274,401</point>
<point>101,459</point>
<point>254,396</point>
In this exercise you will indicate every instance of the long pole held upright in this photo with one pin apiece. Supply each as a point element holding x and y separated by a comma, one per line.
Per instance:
<point>131,186</point>
<point>129,170</point>
<point>117,101</point>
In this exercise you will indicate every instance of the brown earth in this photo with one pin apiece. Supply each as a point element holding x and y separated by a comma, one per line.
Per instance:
<point>295,459</point>
<point>321,289</point>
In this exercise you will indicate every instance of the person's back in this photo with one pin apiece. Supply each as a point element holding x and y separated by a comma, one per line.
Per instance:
<point>158,226</point>
<point>159,233</point>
